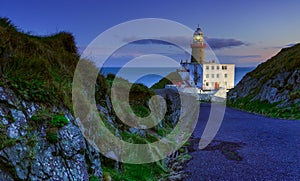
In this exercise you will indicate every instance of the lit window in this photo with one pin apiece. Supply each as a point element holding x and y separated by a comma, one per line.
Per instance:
<point>207,84</point>
<point>207,67</point>
<point>225,75</point>
<point>217,75</point>
<point>212,76</point>
<point>212,67</point>
<point>207,75</point>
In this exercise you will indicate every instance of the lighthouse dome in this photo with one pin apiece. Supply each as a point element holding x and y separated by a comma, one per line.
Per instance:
<point>198,31</point>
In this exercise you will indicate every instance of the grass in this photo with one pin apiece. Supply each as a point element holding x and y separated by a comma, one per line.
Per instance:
<point>59,121</point>
<point>38,69</point>
<point>52,135</point>
<point>94,178</point>
<point>136,138</point>
<point>266,108</point>
<point>285,62</point>
<point>137,172</point>
<point>173,76</point>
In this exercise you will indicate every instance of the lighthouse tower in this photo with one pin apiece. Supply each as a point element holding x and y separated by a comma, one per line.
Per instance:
<point>198,47</point>
<point>203,74</point>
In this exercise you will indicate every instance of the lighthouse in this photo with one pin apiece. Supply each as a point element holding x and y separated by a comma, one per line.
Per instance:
<point>198,47</point>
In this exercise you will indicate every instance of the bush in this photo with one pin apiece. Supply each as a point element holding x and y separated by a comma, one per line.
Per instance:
<point>94,178</point>
<point>141,111</point>
<point>52,135</point>
<point>59,121</point>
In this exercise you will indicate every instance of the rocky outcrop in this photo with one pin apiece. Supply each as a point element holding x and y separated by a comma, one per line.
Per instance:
<point>279,88</point>
<point>173,104</point>
<point>274,81</point>
<point>27,154</point>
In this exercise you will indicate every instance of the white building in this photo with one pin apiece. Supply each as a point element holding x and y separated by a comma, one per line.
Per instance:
<point>217,75</point>
<point>201,75</point>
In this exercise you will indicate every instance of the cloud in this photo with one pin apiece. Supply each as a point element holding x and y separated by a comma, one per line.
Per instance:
<point>214,43</point>
<point>172,40</point>
<point>240,56</point>
<point>291,44</point>
<point>241,60</point>
<point>219,43</point>
<point>283,46</point>
<point>150,41</point>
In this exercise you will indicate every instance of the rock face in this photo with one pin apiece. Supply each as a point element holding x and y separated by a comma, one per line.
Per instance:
<point>27,154</point>
<point>173,102</point>
<point>275,81</point>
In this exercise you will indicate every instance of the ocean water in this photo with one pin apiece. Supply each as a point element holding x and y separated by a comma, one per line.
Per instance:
<point>149,76</point>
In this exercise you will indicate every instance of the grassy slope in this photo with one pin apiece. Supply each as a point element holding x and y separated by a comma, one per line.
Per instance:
<point>40,69</point>
<point>287,60</point>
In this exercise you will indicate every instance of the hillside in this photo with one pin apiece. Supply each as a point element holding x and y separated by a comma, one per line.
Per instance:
<point>40,138</point>
<point>30,65</point>
<point>273,88</point>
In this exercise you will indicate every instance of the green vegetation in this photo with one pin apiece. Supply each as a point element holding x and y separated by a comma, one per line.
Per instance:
<point>59,121</point>
<point>94,178</point>
<point>137,172</point>
<point>141,111</point>
<point>42,116</point>
<point>161,84</point>
<point>5,141</point>
<point>287,60</point>
<point>265,108</point>
<point>283,64</point>
<point>38,69</point>
<point>52,135</point>
<point>173,76</point>
<point>137,139</point>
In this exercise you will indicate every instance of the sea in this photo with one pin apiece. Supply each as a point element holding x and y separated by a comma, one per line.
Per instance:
<point>150,76</point>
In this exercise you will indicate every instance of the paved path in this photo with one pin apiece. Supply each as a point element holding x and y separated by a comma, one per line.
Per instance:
<point>247,147</point>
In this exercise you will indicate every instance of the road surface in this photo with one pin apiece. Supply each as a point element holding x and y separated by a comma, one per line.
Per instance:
<point>247,147</point>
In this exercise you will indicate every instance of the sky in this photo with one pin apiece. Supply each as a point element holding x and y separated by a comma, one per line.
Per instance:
<point>242,32</point>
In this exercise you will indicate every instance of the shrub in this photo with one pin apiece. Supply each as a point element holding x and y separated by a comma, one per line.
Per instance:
<point>141,111</point>
<point>52,135</point>
<point>94,178</point>
<point>59,121</point>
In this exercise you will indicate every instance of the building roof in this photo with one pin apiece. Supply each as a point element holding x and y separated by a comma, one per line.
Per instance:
<point>198,31</point>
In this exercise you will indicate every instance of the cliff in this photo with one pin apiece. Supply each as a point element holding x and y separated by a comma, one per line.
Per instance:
<point>273,88</point>
<point>40,138</point>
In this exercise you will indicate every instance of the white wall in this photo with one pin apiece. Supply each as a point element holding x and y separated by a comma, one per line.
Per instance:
<point>224,76</point>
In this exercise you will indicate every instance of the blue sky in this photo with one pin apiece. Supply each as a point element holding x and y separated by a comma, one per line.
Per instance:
<point>243,32</point>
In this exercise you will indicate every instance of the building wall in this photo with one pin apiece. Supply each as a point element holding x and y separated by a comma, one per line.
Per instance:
<point>195,73</point>
<point>218,75</point>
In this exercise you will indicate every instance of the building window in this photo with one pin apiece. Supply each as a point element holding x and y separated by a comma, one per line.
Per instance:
<point>212,75</point>
<point>207,84</point>
<point>217,75</point>
<point>212,67</point>
<point>207,67</point>
<point>225,75</point>
<point>218,67</point>
<point>207,75</point>
<point>224,67</point>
